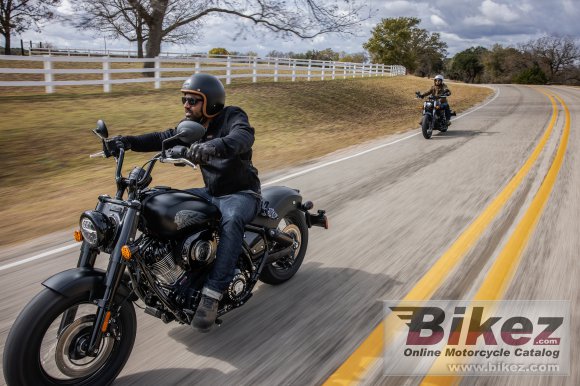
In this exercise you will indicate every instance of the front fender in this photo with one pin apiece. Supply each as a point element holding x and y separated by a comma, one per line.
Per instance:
<point>76,281</point>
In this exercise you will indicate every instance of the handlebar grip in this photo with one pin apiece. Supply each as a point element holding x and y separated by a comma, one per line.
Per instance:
<point>177,152</point>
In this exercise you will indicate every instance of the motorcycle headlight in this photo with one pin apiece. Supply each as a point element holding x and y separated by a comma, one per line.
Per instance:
<point>96,228</point>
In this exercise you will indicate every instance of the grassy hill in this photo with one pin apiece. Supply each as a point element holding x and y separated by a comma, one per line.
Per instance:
<point>47,179</point>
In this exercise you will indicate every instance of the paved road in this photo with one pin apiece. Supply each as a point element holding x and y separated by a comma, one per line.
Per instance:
<point>393,212</point>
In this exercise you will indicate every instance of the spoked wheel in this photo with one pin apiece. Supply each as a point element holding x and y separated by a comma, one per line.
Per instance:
<point>48,341</point>
<point>426,127</point>
<point>294,224</point>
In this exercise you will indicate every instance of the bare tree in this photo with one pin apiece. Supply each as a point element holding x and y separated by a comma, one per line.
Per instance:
<point>555,53</point>
<point>17,16</point>
<point>178,20</point>
<point>118,18</point>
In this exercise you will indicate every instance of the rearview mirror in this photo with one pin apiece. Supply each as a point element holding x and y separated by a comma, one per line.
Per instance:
<point>190,131</point>
<point>101,130</point>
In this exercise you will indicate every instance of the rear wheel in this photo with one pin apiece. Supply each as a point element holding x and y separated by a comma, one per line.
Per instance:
<point>426,127</point>
<point>42,349</point>
<point>284,268</point>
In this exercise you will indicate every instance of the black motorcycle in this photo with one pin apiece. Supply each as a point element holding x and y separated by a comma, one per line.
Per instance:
<point>162,242</point>
<point>433,115</point>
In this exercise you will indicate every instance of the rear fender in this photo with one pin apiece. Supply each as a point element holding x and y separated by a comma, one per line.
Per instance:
<point>283,200</point>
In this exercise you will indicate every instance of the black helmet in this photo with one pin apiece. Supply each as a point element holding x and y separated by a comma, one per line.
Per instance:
<point>210,89</point>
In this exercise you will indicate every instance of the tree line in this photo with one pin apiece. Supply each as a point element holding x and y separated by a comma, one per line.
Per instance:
<point>326,54</point>
<point>551,58</point>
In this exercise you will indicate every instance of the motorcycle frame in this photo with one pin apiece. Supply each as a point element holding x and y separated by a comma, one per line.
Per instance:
<point>126,236</point>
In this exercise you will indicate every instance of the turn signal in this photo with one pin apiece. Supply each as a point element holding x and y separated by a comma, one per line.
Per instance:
<point>126,252</point>
<point>78,236</point>
<point>106,321</point>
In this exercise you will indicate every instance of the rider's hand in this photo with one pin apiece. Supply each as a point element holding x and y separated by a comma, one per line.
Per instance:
<point>115,144</point>
<point>200,153</point>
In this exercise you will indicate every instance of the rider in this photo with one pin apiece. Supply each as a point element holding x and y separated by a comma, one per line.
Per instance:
<point>224,155</point>
<point>439,88</point>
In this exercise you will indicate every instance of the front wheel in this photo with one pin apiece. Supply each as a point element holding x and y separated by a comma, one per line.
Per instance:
<point>284,268</point>
<point>426,127</point>
<point>45,345</point>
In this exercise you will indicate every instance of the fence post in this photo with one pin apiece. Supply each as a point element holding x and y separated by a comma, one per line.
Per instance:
<point>383,70</point>
<point>333,70</point>
<point>344,71</point>
<point>309,68</point>
<point>294,71</point>
<point>106,75</point>
<point>157,72</point>
<point>48,74</point>
<point>255,70</point>
<point>197,66</point>
<point>276,70</point>
<point>229,71</point>
<point>322,71</point>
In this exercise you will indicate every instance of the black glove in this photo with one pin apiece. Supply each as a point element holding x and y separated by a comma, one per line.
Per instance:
<point>115,144</point>
<point>418,94</point>
<point>200,153</point>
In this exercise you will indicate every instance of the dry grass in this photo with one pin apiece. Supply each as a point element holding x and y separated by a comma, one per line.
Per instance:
<point>47,178</point>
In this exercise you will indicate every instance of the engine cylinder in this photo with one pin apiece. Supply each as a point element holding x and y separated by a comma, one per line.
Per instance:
<point>160,261</point>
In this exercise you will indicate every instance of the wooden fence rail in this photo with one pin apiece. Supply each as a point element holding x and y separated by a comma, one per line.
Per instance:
<point>228,68</point>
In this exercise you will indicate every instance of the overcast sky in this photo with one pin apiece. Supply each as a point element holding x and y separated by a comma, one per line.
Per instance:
<point>461,23</point>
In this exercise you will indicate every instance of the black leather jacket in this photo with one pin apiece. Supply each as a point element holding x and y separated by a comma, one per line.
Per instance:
<point>231,134</point>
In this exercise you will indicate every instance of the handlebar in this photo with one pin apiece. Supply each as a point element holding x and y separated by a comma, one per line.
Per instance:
<point>100,154</point>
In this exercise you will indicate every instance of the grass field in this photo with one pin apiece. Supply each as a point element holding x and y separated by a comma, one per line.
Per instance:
<point>47,178</point>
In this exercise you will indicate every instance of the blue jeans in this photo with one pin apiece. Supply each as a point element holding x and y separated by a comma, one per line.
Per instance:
<point>447,110</point>
<point>238,210</point>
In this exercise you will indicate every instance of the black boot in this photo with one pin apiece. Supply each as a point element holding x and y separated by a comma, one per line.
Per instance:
<point>206,314</point>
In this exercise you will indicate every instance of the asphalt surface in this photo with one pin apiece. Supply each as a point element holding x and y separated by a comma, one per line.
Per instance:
<point>393,212</point>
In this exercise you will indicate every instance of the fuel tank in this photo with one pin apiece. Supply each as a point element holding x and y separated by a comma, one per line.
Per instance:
<point>173,214</point>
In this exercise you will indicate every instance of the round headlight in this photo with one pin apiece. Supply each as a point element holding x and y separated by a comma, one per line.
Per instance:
<point>89,231</point>
<point>96,228</point>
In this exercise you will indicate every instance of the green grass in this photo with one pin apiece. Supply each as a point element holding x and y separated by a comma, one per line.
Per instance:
<point>47,178</point>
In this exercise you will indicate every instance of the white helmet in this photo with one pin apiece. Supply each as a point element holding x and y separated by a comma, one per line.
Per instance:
<point>438,77</point>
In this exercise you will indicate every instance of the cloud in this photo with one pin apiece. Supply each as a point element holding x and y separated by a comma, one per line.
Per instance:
<point>497,12</point>
<point>65,8</point>
<point>438,21</point>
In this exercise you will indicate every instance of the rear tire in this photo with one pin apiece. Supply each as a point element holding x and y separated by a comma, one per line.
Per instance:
<point>282,270</point>
<point>26,364</point>
<point>427,131</point>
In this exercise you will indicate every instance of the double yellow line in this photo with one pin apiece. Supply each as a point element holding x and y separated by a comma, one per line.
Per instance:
<point>355,367</point>
<point>503,269</point>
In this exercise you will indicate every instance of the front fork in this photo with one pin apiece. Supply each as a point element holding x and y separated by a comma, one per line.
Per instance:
<point>87,259</point>
<point>113,278</point>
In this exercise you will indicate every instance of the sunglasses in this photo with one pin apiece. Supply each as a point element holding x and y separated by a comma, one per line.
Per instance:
<point>190,100</point>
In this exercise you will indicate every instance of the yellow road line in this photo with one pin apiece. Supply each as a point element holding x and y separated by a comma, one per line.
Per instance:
<point>354,368</point>
<point>503,269</point>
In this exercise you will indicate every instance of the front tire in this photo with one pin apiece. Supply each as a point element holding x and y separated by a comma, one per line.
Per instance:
<point>283,269</point>
<point>426,127</point>
<point>39,351</point>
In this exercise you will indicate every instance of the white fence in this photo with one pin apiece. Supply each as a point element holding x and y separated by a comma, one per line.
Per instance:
<point>227,68</point>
